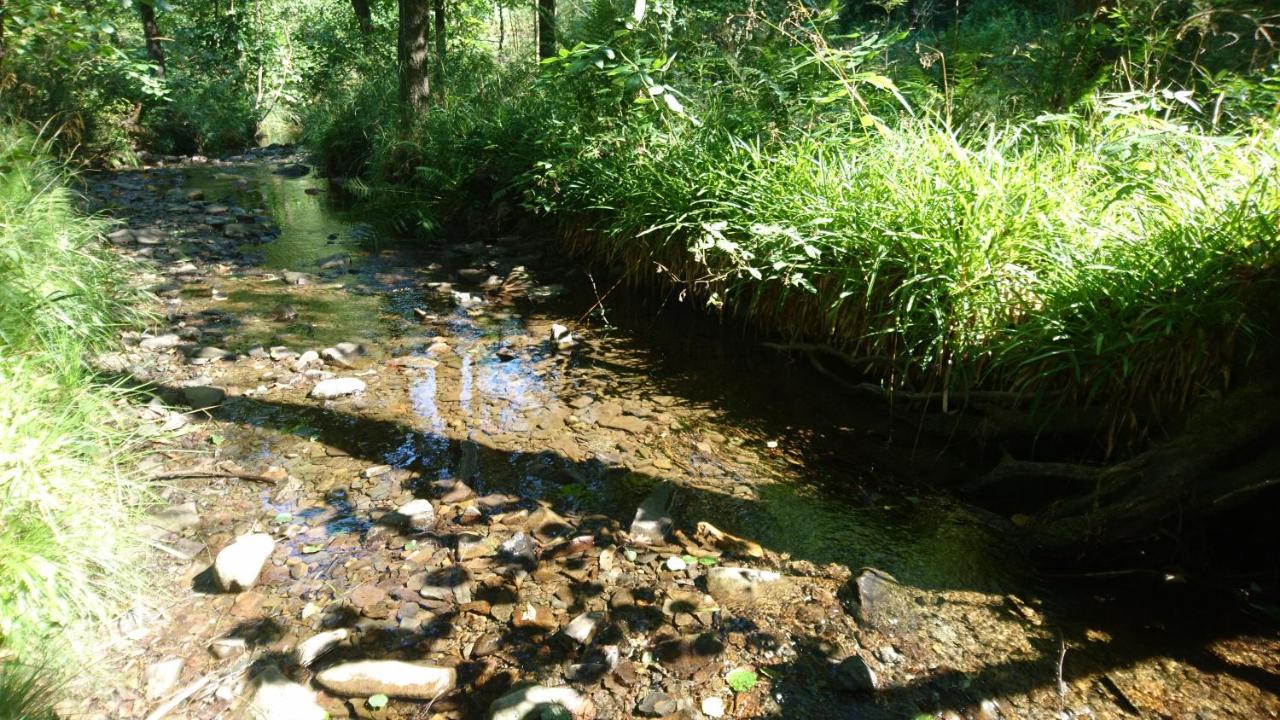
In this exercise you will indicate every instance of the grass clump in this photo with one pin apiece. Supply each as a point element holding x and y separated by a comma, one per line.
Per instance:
<point>66,496</point>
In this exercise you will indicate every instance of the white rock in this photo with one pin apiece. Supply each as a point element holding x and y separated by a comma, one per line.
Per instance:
<point>676,564</point>
<point>159,342</point>
<point>739,584</point>
<point>317,645</point>
<point>162,676</point>
<point>583,628</point>
<point>337,387</point>
<point>305,360</point>
<point>520,702</point>
<point>276,697</point>
<point>389,677</point>
<point>239,563</point>
<point>414,508</point>
<point>713,707</point>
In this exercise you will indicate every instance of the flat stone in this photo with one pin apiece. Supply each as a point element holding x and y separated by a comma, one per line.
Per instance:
<point>522,702</point>
<point>471,546</point>
<point>162,676</point>
<point>393,678</point>
<point>536,617</point>
<point>337,387</point>
<point>583,628</point>
<point>739,585</point>
<point>367,595</point>
<point>159,342</point>
<point>204,397</point>
<point>276,697</point>
<point>238,565</point>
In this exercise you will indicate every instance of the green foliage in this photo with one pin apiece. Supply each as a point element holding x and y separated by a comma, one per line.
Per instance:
<point>742,680</point>
<point>996,200</point>
<point>66,499</point>
<point>27,692</point>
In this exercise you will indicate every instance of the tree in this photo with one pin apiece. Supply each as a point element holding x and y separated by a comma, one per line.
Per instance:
<point>411,51</point>
<point>546,29</point>
<point>439,9</point>
<point>363,16</point>
<point>151,31</point>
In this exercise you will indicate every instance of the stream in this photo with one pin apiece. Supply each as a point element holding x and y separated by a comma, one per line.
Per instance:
<point>524,412</point>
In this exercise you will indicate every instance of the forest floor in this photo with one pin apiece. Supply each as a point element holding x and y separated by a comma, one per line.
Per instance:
<point>465,499</point>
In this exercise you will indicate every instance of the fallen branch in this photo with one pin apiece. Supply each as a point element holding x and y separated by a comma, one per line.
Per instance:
<point>1009,469</point>
<point>175,474</point>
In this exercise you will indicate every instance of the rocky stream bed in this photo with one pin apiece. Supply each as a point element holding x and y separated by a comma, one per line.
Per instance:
<point>423,481</point>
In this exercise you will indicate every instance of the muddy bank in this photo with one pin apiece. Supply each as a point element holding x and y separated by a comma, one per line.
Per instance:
<point>442,459</point>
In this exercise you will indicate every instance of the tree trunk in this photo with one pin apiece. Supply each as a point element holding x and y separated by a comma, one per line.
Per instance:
<point>440,38</point>
<point>3,16</point>
<point>546,29</point>
<point>502,23</point>
<point>411,51</point>
<point>363,16</point>
<point>151,31</point>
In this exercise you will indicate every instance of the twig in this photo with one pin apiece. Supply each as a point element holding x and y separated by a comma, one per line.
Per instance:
<point>599,299</point>
<point>173,474</point>
<point>1062,656</point>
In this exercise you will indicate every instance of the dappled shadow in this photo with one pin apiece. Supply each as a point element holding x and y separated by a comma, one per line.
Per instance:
<point>806,684</point>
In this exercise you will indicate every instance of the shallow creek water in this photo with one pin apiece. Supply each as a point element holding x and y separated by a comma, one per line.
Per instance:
<point>470,402</point>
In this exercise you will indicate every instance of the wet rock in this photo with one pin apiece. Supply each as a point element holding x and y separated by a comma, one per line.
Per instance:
<point>238,565</point>
<point>881,600</point>
<point>203,397</point>
<point>652,521</point>
<point>162,676</point>
<point>854,675</point>
<point>656,704</point>
<point>337,387</point>
<point>676,563</point>
<point>366,596</point>
<point>276,697</point>
<point>523,702</point>
<point>316,645</point>
<point>240,231</point>
<point>739,585</point>
<point>293,170</point>
<point>159,342</point>
<point>393,678</point>
<point>583,628</point>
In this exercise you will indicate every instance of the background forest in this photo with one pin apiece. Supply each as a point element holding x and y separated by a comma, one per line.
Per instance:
<point>1059,215</point>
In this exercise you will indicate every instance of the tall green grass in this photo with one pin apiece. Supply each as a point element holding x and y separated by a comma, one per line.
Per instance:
<point>1119,254</point>
<point>67,498</point>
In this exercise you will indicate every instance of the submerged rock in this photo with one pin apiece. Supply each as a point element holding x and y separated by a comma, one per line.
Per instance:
<point>393,678</point>
<point>238,565</point>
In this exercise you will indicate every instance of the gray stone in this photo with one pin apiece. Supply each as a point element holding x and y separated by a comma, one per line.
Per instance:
<point>855,675</point>
<point>656,704</point>
<point>583,628</point>
<point>203,397</point>
<point>652,521</point>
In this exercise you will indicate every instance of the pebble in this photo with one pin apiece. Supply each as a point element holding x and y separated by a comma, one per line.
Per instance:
<point>337,387</point>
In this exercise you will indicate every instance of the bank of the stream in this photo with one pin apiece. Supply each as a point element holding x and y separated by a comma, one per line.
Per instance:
<point>441,453</point>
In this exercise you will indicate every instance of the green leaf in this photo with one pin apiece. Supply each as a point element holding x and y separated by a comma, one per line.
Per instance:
<point>308,549</point>
<point>707,561</point>
<point>378,701</point>
<point>742,680</point>
<point>283,517</point>
<point>216,439</point>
